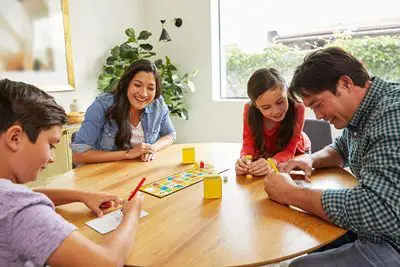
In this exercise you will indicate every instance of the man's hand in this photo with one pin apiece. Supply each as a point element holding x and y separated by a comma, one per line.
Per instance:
<point>303,163</point>
<point>279,186</point>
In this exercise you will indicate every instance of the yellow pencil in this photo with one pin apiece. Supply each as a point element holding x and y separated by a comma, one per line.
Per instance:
<point>272,164</point>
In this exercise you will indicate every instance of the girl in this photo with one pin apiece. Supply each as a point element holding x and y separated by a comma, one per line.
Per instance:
<point>133,121</point>
<point>272,124</point>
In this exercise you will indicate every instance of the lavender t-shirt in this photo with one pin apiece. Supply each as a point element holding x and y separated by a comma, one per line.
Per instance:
<point>30,229</point>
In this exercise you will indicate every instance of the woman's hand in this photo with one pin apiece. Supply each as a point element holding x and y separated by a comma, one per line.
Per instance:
<point>96,201</point>
<point>138,150</point>
<point>148,157</point>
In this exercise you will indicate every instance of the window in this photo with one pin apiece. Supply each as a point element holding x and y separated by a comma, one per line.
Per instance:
<point>261,33</point>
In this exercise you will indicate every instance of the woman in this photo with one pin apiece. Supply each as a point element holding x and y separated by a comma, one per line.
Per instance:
<point>130,122</point>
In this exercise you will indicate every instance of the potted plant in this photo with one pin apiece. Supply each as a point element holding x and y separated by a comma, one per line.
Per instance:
<point>174,84</point>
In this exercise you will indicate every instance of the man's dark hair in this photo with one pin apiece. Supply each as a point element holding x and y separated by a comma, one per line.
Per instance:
<point>28,106</point>
<point>322,69</point>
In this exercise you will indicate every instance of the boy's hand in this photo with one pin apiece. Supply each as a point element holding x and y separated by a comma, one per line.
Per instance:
<point>133,207</point>
<point>241,166</point>
<point>279,186</point>
<point>97,201</point>
<point>260,167</point>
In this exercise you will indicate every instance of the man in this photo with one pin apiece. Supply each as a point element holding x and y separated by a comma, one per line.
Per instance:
<point>336,86</point>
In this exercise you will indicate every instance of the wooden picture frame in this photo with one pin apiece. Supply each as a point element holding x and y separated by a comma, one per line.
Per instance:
<point>35,44</point>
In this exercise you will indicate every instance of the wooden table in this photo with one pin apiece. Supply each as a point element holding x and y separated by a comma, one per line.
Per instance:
<point>244,228</point>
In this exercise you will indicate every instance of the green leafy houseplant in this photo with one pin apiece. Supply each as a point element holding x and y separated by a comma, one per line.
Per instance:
<point>174,84</point>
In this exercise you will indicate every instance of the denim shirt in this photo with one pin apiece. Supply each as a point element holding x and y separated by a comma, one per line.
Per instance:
<point>97,133</point>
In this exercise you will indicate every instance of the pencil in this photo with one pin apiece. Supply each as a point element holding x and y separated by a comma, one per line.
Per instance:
<point>272,164</point>
<point>137,188</point>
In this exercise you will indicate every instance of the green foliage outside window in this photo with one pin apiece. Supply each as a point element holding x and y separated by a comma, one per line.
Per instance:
<point>380,54</point>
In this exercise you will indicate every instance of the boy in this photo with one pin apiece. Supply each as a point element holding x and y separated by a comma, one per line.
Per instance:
<point>31,232</point>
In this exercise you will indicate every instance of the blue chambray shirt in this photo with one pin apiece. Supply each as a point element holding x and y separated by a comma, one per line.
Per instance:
<point>370,146</point>
<point>97,133</point>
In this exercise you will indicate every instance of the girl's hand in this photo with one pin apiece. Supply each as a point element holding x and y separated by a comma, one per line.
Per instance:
<point>260,167</point>
<point>138,150</point>
<point>241,166</point>
<point>94,201</point>
<point>148,157</point>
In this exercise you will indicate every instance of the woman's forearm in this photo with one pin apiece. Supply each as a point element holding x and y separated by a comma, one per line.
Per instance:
<point>94,156</point>
<point>163,142</point>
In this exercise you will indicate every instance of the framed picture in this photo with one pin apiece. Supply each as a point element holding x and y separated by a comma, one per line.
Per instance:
<point>35,43</point>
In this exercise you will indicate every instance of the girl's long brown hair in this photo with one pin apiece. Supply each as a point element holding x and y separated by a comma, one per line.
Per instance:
<point>120,109</point>
<point>261,81</point>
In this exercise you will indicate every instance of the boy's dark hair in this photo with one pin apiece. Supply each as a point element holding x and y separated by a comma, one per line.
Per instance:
<point>322,69</point>
<point>28,106</point>
<point>261,81</point>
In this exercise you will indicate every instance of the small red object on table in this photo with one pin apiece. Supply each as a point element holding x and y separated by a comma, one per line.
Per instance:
<point>201,164</point>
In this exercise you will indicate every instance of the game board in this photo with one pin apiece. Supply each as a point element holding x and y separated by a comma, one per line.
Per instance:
<point>176,182</point>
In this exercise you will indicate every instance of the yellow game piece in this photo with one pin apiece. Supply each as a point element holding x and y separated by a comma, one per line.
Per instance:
<point>212,186</point>
<point>272,164</point>
<point>196,166</point>
<point>248,159</point>
<point>188,155</point>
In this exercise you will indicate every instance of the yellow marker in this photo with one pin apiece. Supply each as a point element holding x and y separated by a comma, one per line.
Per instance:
<point>248,159</point>
<point>272,164</point>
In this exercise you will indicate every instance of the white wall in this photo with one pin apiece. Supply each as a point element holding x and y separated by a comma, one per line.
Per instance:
<point>191,48</point>
<point>95,31</point>
<point>195,46</point>
<point>96,26</point>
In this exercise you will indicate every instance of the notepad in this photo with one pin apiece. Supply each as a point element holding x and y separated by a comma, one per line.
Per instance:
<point>303,183</point>
<point>109,222</point>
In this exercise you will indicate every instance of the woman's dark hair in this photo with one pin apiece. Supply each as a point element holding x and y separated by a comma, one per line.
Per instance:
<point>322,69</point>
<point>28,106</point>
<point>261,81</point>
<point>119,111</point>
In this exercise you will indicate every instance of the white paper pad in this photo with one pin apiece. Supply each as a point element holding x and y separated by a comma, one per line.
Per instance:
<point>109,222</point>
<point>303,183</point>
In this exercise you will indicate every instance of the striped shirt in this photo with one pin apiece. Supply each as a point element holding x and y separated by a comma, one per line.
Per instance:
<point>370,146</point>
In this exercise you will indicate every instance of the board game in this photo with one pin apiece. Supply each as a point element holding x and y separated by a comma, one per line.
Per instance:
<point>173,183</point>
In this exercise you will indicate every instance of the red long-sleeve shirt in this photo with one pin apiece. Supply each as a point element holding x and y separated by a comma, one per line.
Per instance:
<point>299,143</point>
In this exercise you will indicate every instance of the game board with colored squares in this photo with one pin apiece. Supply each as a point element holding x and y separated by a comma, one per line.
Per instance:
<point>178,181</point>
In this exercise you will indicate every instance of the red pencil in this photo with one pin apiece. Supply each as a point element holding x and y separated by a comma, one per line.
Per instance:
<point>137,188</point>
